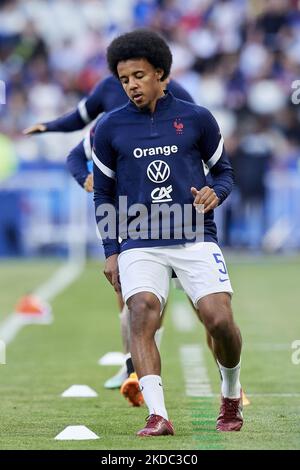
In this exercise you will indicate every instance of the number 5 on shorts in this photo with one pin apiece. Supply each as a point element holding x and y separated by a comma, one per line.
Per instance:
<point>219,259</point>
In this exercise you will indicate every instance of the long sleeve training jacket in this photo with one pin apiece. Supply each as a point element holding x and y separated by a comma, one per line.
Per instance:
<point>155,159</point>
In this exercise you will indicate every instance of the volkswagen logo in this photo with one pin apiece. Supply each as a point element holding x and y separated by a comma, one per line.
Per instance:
<point>158,171</point>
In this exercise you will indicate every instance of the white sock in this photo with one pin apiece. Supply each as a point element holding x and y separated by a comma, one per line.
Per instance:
<point>124,319</point>
<point>151,387</point>
<point>231,387</point>
<point>158,336</point>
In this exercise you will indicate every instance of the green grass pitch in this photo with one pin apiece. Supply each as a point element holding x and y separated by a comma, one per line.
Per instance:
<point>43,361</point>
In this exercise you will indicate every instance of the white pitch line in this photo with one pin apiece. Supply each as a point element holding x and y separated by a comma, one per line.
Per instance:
<point>61,279</point>
<point>183,318</point>
<point>10,327</point>
<point>197,383</point>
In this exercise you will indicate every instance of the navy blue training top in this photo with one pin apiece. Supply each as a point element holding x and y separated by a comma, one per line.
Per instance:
<point>152,158</point>
<point>107,95</point>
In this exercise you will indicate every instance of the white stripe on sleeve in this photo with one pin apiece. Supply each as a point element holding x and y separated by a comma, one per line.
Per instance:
<point>87,146</point>
<point>107,171</point>
<point>216,156</point>
<point>83,111</point>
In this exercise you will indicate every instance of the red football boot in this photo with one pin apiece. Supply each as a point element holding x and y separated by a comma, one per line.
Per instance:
<point>231,416</point>
<point>156,426</point>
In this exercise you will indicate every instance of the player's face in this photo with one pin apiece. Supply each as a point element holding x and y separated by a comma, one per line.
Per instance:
<point>141,82</point>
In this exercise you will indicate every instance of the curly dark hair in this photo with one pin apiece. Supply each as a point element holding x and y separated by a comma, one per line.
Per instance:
<point>140,44</point>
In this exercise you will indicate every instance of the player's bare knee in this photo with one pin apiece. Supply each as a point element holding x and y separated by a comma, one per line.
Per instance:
<point>216,316</point>
<point>144,311</point>
<point>214,304</point>
<point>219,327</point>
<point>142,303</point>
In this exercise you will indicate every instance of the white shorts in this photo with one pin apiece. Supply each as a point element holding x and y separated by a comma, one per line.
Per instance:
<point>200,268</point>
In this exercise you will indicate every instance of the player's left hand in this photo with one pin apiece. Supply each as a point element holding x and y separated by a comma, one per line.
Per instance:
<point>35,129</point>
<point>205,196</point>
<point>89,183</point>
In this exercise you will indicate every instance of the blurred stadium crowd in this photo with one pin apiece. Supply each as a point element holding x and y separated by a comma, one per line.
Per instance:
<point>238,58</point>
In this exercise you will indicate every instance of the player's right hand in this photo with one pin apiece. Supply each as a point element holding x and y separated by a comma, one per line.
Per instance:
<point>205,199</point>
<point>89,183</point>
<point>111,271</point>
<point>35,129</point>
